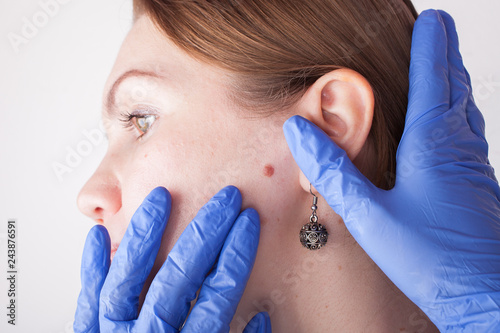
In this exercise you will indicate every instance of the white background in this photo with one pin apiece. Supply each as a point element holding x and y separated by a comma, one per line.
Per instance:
<point>50,92</point>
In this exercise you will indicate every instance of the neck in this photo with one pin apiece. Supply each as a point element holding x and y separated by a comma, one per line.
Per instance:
<point>345,293</point>
<point>335,289</point>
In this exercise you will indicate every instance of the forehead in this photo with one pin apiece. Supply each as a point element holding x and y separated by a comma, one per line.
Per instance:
<point>148,50</point>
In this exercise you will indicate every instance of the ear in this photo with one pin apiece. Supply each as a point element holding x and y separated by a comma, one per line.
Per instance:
<point>341,104</point>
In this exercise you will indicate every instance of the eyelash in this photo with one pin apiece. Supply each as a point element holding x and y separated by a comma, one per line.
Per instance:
<point>127,123</point>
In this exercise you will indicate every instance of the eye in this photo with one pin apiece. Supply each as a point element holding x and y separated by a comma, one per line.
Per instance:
<point>142,122</point>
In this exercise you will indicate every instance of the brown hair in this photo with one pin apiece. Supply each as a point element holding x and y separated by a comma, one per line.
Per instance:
<point>278,48</point>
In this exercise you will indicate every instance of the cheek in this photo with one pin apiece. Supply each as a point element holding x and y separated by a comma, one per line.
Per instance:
<point>152,164</point>
<point>188,166</point>
<point>195,161</point>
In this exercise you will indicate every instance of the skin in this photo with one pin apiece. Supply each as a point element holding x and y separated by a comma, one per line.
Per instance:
<point>201,141</point>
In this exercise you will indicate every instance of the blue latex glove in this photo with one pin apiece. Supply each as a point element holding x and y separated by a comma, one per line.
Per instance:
<point>436,234</point>
<point>219,234</point>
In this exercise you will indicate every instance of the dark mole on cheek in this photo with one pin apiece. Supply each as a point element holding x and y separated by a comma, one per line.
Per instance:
<point>268,170</point>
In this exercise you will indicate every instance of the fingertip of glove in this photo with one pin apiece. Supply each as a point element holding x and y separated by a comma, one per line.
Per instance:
<point>252,216</point>
<point>444,14</point>
<point>159,195</point>
<point>229,195</point>
<point>292,124</point>
<point>447,20</point>
<point>292,120</point>
<point>295,128</point>
<point>97,247</point>
<point>158,203</point>
<point>429,47</point>
<point>231,190</point>
<point>260,323</point>
<point>152,213</point>
<point>99,234</point>
<point>431,16</point>
<point>264,317</point>
<point>429,13</point>
<point>245,233</point>
<point>298,127</point>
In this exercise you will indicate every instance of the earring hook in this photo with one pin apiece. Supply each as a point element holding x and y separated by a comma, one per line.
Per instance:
<point>310,190</point>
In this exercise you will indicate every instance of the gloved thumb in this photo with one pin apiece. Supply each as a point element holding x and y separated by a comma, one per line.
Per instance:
<point>260,323</point>
<point>329,169</point>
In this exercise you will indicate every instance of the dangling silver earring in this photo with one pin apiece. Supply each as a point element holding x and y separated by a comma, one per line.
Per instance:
<point>313,236</point>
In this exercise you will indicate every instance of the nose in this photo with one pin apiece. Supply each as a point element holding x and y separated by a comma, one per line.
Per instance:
<point>100,197</point>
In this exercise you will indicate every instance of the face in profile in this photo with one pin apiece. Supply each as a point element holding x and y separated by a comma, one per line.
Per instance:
<point>171,123</point>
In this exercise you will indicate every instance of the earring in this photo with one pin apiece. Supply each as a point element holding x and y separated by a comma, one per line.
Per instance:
<point>313,235</point>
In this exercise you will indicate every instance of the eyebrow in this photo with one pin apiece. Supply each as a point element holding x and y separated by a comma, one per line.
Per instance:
<point>111,97</point>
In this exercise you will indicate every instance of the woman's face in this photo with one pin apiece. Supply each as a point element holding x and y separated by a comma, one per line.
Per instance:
<point>191,139</point>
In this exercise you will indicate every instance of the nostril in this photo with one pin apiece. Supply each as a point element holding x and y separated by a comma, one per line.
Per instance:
<point>98,211</point>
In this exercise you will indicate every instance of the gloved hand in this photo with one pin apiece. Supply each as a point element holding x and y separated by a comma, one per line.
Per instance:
<point>436,234</point>
<point>219,234</point>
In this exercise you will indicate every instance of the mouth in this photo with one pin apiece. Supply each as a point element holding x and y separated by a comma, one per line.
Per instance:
<point>114,248</point>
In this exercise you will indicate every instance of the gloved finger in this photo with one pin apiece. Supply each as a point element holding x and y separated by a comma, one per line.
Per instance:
<point>94,268</point>
<point>260,323</point>
<point>193,255</point>
<point>464,111</point>
<point>330,170</point>
<point>429,94</point>
<point>222,289</point>
<point>459,88</point>
<point>133,261</point>
<point>477,126</point>
<point>461,92</point>
<point>476,123</point>
<point>474,116</point>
